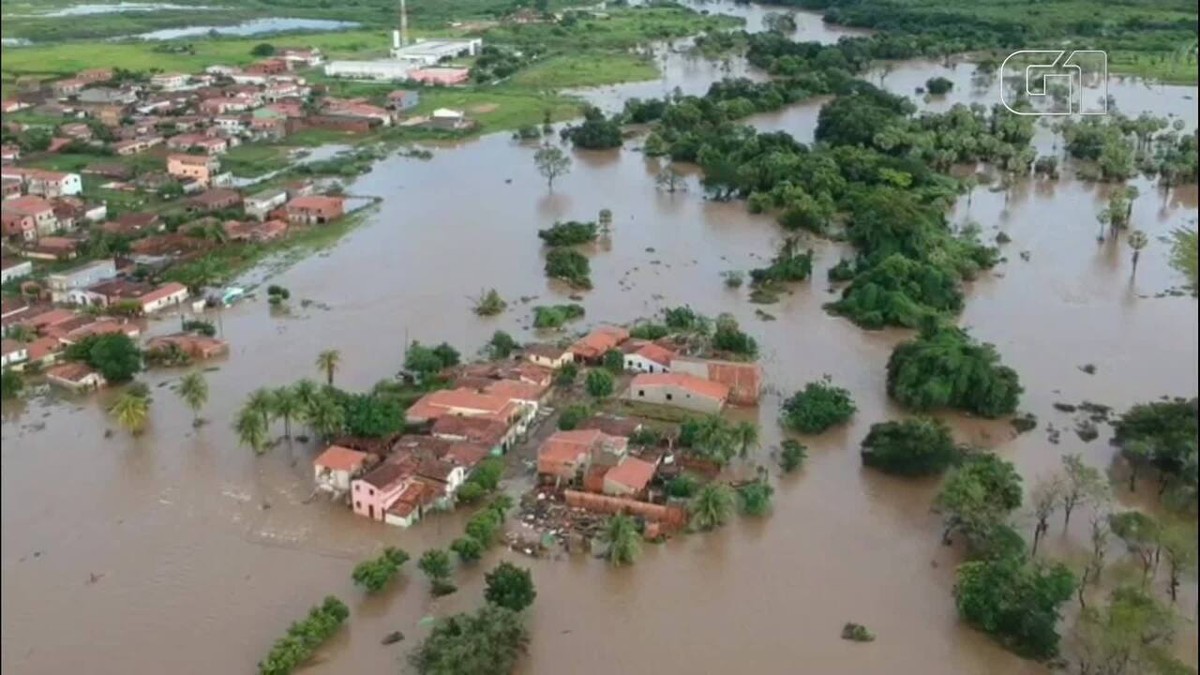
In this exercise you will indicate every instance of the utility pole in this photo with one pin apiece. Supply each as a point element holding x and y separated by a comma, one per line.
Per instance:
<point>403,23</point>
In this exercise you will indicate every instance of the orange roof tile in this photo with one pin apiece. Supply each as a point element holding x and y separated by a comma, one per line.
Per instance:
<point>632,473</point>
<point>656,353</point>
<point>337,458</point>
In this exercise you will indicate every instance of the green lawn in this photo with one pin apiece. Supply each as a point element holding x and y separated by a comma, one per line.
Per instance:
<point>71,57</point>
<point>584,70</point>
<point>500,108</point>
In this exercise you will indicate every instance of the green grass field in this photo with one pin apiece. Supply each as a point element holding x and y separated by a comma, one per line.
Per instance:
<point>71,57</point>
<point>586,71</point>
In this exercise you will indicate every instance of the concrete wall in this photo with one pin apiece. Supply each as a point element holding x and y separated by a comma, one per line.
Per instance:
<point>674,396</point>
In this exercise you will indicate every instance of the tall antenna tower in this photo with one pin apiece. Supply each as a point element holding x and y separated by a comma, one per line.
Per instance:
<point>403,23</point>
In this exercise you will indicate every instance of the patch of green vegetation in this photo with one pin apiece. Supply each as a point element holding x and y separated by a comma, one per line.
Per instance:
<point>227,262</point>
<point>191,56</point>
<point>1149,38</point>
<point>586,70</point>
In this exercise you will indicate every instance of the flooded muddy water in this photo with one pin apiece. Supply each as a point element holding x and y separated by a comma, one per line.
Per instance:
<point>181,552</point>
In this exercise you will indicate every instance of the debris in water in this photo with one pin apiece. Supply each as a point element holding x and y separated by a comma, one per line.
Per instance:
<point>1086,430</point>
<point>1089,368</point>
<point>857,632</point>
<point>1025,422</point>
<point>1065,407</point>
<point>392,638</point>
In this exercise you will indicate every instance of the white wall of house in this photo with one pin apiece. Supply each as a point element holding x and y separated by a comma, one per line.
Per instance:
<point>21,269</point>
<point>14,357</point>
<point>640,364</point>
<point>172,299</point>
<point>674,396</point>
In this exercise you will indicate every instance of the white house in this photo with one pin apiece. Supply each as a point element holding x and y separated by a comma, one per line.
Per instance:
<point>261,204</point>
<point>16,269</point>
<point>172,293</point>
<point>14,353</point>
<point>336,467</point>
<point>648,358</point>
<point>549,356</point>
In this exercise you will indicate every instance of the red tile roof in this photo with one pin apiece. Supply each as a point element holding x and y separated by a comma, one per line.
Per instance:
<point>658,354</point>
<point>70,372</point>
<point>564,451</point>
<point>599,341</point>
<point>476,429</point>
<point>449,401</point>
<point>633,473</point>
<point>690,383</point>
<point>337,458</point>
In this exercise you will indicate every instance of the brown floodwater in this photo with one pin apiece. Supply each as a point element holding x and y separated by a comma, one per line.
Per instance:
<point>180,552</point>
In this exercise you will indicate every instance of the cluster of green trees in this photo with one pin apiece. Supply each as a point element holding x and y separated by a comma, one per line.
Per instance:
<point>484,480</point>
<point>12,383</point>
<point>821,405</point>
<point>1118,147</point>
<point>429,361</point>
<point>303,637</point>
<point>490,303</point>
<point>501,346</point>
<point>914,447</point>
<point>570,266</point>
<point>944,367</point>
<point>789,264</point>
<point>489,640</point>
<point>596,131</point>
<point>556,316</point>
<point>114,355</point>
<point>599,383</point>
<point>731,339</point>
<point>1160,436</point>
<point>569,233</point>
<point>482,530</point>
<point>716,439</point>
<point>875,163</point>
<point>375,574</point>
<point>329,411</point>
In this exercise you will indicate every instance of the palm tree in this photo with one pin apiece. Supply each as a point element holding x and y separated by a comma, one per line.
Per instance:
<point>286,404</point>
<point>327,417</point>
<point>306,392</point>
<point>250,430</point>
<point>131,411</point>
<point>328,362</point>
<point>624,541</point>
<point>1137,242</point>
<point>261,403</point>
<point>193,389</point>
<point>712,506</point>
<point>747,437</point>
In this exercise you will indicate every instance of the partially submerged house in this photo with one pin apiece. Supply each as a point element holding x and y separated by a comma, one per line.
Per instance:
<point>679,390</point>
<point>334,469</point>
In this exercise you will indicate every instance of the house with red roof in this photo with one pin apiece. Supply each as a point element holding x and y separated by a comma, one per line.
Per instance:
<point>314,210</point>
<point>630,478</point>
<point>593,346</point>
<point>21,212</point>
<point>548,356</point>
<point>647,357</point>
<point>334,469</point>
<point>743,379</point>
<point>75,376</point>
<point>566,455</point>
<point>679,390</point>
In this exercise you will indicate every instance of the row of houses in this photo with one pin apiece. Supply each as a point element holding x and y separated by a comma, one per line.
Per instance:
<point>490,408</point>
<point>662,375</point>
<point>28,217</point>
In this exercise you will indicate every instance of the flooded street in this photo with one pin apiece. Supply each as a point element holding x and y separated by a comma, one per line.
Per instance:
<point>181,552</point>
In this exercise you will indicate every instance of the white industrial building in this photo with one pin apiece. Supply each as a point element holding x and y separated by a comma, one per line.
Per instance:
<point>370,70</point>
<point>430,52</point>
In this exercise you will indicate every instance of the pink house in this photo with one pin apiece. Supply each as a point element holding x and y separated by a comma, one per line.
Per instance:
<point>442,76</point>
<point>373,493</point>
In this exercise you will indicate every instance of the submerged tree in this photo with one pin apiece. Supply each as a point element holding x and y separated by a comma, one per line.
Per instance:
<point>1137,241</point>
<point>489,303</point>
<point>1045,498</point>
<point>131,410</point>
<point>551,163</point>
<point>486,642</point>
<point>250,429</point>
<point>623,540</point>
<point>286,405</point>
<point>712,506</point>
<point>510,587</point>
<point>193,389</point>
<point>328,362</point>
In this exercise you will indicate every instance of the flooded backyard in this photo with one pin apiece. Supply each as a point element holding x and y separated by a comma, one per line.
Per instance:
<point>181,552</point>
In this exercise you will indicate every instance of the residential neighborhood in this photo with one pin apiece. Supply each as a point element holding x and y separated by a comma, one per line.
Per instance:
<point>494,408</point>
